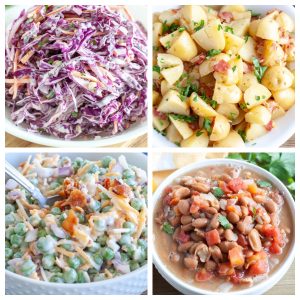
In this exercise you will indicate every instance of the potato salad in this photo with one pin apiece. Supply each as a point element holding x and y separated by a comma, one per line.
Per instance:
<point>221,77</point>
<point>96,231</point>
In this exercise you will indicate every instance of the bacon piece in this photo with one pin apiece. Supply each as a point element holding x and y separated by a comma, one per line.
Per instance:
<point>199,59</point>
<point>222,66</point>
<point>270,125</point>
<point>70,222</point>
<point>122,190</point>
<point>159,114</point>
<point>225,16</point>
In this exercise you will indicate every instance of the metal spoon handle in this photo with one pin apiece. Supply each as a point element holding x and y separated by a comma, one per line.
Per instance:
<point>25,183</point>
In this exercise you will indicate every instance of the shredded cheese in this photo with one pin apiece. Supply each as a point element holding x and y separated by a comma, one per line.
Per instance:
<point>64,252</point>
<point>141,224</point>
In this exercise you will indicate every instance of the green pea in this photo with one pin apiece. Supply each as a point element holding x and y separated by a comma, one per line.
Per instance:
<point>46,244</point>
<point>8,253</point>
<point>145,232</point>
<point>125,239</point>
<point>83,277</point>
<point>124,257</point>
<point>107,253</point>
<point>42,224</point>
<point>55,211</point>
<point>28,267</point>
<point>133,265</point>
<point>93,169</point>
<point>16,240</point>
<point>102,240</point>
<point>74,262</point>
<point>11,269</point>
<point>100,225</point>
<point>99,277</point>
<point>130,181</point>
<point>70,276</point>
<point>55,269</point>
<point>95,205</point>
<point>81,217</point>
<point>128,173</point>
<point>129,248</point>
<point>68,247</point>
<point>140,254</point>
<point>57,279</point>
<point>9,231</point>
<point>106,161</point>
<point>18,254</point>
<point>42,232</point>
<point>97,257</point>
<point>129,225</point>
<point>106,208</point>
<point>9,208</point>
<point>77,164</point>
<point>142,243</point>
<point>137,203</point>
<point>62,217</point>
<point>10,219</point>
<point>48,261</point>
<point>35,220</point>
<point>7,244</point>
<point>20,229</point>
<point>95,247</point>
<point>102,171</point>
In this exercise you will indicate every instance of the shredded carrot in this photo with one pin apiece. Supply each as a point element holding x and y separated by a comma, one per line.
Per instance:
<point>27,56</point>
<point>56,11</point>
<point>19,81</point>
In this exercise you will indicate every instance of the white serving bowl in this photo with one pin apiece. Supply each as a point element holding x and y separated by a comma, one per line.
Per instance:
<point>139,13</point>
<point>258,288</point>
<point>129,284</point>
<point>285,126</point>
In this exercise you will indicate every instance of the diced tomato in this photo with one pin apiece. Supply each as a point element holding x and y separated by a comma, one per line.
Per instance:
<point>258,268</point>
<point>273,232</point>
<point>182,237</point>
<point>242,241</point>
<point>275,248</point>
<point>236,184</point>
<point>236,277</point>
<point>168,190</point>
<point>203,275</point>
<point>224,187</point>
<point>106,183</point>
<point>200,202</point>
<point>236,257</point>
<point>234,208</point>
<point>221,66</point>
<point>225,269</point>
<point>212,237</point>
<point>194,208</point>
<point>256,257</point>
<point>174,201</point>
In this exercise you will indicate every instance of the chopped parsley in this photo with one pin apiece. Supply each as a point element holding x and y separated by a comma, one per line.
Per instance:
<point>254,14</point>
<point>181,29</point>
<point>212,52</point>
<point>220,27</point>
<point>207,125</point>
<point>224,222</point>
<point>169,29</point>
<point>182,97</point>
<point>156,69</point>
<point>229,29</point>
<point>257,98</point>
<point>168,228</point>
<point>243,106</point>
<point>155,48</point>
<point>258,69</point>
<point>177,144</point>
<point>263,183</point>
<point>209,101</point>
<point>242,133</point>
<point>233,68</point>
<point>74,114</point>
<point>232,116</point>
<point>199,132</point>
<point>168,45</point>
<point>50,95</point>
<point>199,25</point>
<point>246,37</point>
<point>218,192</point>
<point>188,119</point>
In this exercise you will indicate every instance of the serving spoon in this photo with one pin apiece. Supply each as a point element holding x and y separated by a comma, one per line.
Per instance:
<point>12,172</point>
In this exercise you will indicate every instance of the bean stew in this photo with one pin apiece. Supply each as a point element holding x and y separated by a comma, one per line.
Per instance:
<point>222,228</point>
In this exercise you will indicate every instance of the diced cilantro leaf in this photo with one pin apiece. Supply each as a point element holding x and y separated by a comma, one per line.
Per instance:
<point>224,222</point>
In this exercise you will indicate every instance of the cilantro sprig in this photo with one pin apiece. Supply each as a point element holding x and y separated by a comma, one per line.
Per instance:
<point>258,69</point>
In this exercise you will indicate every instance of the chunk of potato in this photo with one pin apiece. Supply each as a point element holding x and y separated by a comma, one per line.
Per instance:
<point>256,95</point>
<point>227,93</point>
<point>277,78</point>
<point>182,127</point>
<point>210,36</point>
<point>165,60</point>
<point>200,107</point>
<point>253,27</point>
<point>231,77</point>
<point>173,134</point>
<point>285,98</point>
<point>169,16</point>
<point>160,124</point>
<point>254,131</point>
<point>241,15</point>
<point>285,22</point>
<point>172,74</point>
<point>259,115</point>
<point>273,54</point>
<point>171,103</point>
<point>233,43</point>
<point>229,110</point>
<point>198,139</point>
<point>268,29</point>
<point>157,32</point>
<point>156,97</point>
<point>233,139</point>
<point>165,87</point>
<point>207,66</point>
<point>168,39</point>
<point>240,27</point>
<point>247,52</point>
<point>220,128</point>
<point>193,14</point>
<point>183,47</point>
<point>233,8</point>
<point>247,80</point>
<point>275,109</point>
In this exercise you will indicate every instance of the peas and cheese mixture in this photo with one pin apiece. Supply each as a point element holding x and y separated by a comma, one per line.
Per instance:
<point>96,231</point>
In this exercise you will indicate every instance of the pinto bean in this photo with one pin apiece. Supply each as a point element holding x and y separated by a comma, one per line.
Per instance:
<point>201,187</point>
<point>216,253</point>
<point>225,246</point>
<point>196,237</point>
<point>254,240</point>
<point>214,222</point>
<point>202,252</point>
<point>187,227</point>
<point>274,219</point>
<point>186,219</point>
<point>210,266</point>
<point>184,207</point>
<point>245,225</point>
<point>245,211</point>
<point>181,192</point>
<point>259,199</point>
<point>174,256</point>
<point>230,235</point>
<point>200,233</point>
<point>270,206</point>
<point>220,230</point>
<point>248,252</point>
<point>196,215</point>
<point>277,198</point>
<point>210,210</point>
<point>185,246</point>
<point>233,217</point>
<point>200,222</point>
<point>191,262</point>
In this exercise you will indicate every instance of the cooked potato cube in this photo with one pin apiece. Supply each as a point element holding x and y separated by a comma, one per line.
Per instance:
<point>169,16</point>
<point>268,29</point>
<point>247,80</point>
<point>182,127</point>
<point>233,43</point>
<point>171,103</point>
<point>156,97</point>
<point>285,22</point>
<point>241,15</point>
<point>259,115</point>
<point>165,87</point>
<point>256,95</point>
<point>275,109</point>
<point>173,134</point>
<point>233,8</point>
<point>160,124</point>
<point>193,14</point>
<point>207,66</point>
<point>285,98</point>
<point>247,52</point>
<point>168,39</point>
<point>273,54</point>
<point>233,139</point>
<point>198,139</point>
<point>200,107</point>
<point>157,32</point>
<point>277,78</point>
<point>240,27</point>
<point>220,128</point>
<point>183,47</point>
<point>229,110</point>
<point>227,93</point>
<point>253,27</point>
<point>254,131</point>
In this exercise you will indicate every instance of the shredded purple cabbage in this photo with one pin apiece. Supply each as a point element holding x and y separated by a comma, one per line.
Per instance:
<point>76,71</point>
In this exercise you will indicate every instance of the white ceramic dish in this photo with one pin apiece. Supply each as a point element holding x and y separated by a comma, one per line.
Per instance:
<point>129,284</point>
<point>256,289</point>
<point>140,14</point>
<point>285,126</point>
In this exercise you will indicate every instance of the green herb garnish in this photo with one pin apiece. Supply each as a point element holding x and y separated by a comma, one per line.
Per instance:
<point>228,29</point>
<point>246,37</point>
<point>188,119</point>
<point>218,192</point>
<point>258,69</point>
<point>199,132</point>
<point>199,25</point>
<point>263,183</point>
<point>74,114</point>
<point>212,52</point>
<point>242,133</point>
<point>168,228</point>
<point>233,68</point>
<point>207,125</point>
<point>156,69</point>
<point>224,222</point>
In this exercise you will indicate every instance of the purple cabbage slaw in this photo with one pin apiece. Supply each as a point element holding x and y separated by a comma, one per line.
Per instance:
<point>76,71</point>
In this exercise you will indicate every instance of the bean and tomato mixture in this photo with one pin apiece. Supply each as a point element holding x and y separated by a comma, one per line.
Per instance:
<point>224,224</point>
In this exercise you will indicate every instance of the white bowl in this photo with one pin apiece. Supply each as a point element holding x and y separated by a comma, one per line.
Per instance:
<point>139,13</point>
<point>129,284</point>
<point>285,126</point>
<point>258,288</point>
